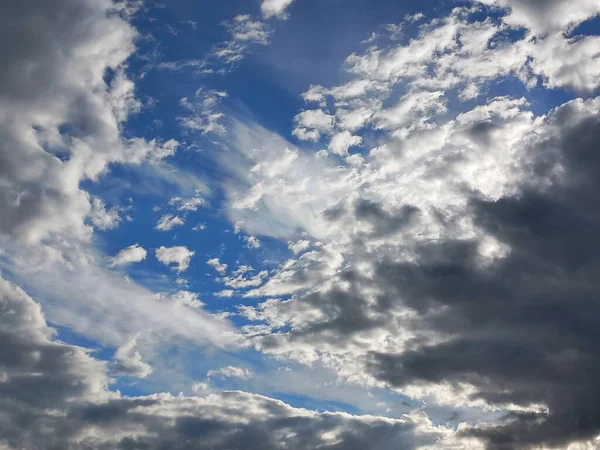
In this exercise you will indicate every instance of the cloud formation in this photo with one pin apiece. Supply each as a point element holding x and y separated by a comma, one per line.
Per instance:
<point>56,396</point>
<point>132,254</point>
<point>179,255</point>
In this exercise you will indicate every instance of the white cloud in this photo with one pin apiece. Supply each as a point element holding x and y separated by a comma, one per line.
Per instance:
<point>299,246</point>
<point>216,263</point>
<point>311,123</point>
<point>132,254</point>
<point>205,116</point>
<point>180,256</point>
<point>244,32</point>
<point>252,241</point>
<point>225,293</point>
<point>101,218</point>
<point>547,16</point>
<point>230,372</point>
<point>128,361</point>
<point>187,204</point>
<point>341,142</point>
<point>275,8</point>
<point>168,222</point>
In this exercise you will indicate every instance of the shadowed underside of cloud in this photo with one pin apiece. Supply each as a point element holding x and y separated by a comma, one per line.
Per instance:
<point>523,330</point>
<point>55,396</point>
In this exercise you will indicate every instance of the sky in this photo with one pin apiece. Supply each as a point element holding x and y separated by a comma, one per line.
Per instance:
<point>299,224</point>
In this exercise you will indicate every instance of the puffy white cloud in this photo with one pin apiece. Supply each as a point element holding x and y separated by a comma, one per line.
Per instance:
<point>341,142</point>
<point>275,8</point>
<point>132,254</point>
<point>180,256</point>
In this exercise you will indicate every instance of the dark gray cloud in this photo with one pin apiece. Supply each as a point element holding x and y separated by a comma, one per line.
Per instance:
<point>524,329</point>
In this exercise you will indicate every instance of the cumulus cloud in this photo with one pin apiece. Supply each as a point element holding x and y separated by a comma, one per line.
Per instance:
<point>179,256</point>
<point>132,254</point>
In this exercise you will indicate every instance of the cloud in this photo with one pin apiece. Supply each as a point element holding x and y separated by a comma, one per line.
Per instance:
<point>216,263</point>
<point>341,142</point>
<point>60,118</point>
<point>230,372</point>
<point>168,222</point>
<point>275,8</point>
<point>299,246</point>
<point>547,16</point>
<point>187,204</point>
<point>448,314</point>
<point>205,116</point>
<point>180,256</point>
<point>57,395</point>
<point>311,123</point>
<point>252,241</point>
<point>128,362</point>
<point>132,254</point>
<point>101,218</point>
<point>244,33</point>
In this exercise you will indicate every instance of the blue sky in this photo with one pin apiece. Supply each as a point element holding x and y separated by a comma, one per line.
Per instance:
<point>366,208</point>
